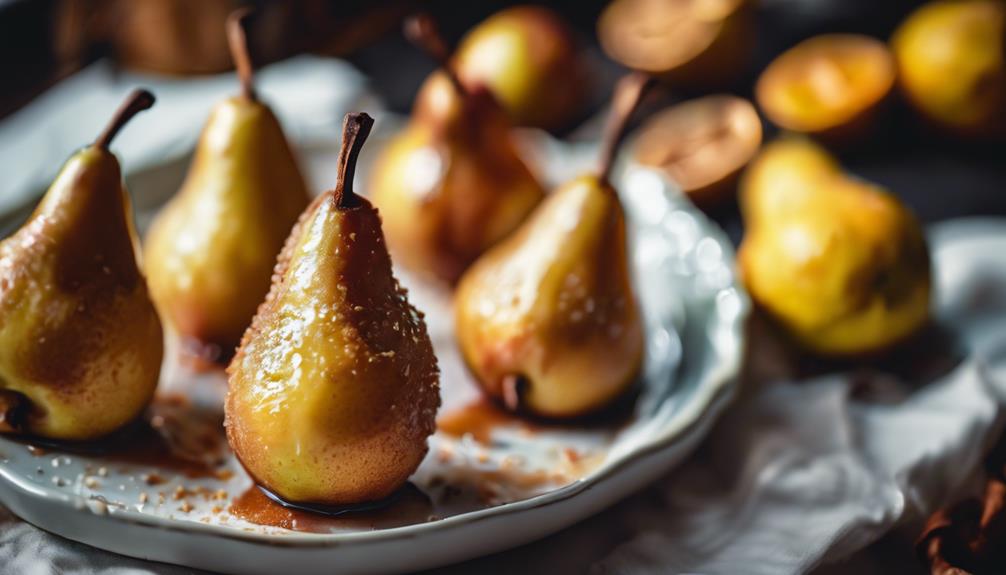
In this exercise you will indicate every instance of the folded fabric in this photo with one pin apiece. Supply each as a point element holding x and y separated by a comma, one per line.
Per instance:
<point>802,473</point>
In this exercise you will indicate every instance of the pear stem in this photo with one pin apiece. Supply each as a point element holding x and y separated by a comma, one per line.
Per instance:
<point>136,102</point>
<point>628,93</point>
<point>355,129</point>
<point>237,40</point>
<point>421,29</point>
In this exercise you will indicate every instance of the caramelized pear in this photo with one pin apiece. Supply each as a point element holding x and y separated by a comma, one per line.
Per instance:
<point>840,263</point>
<point>211,250</point>
<point>80,340</point>
<point>547,320</point>
<point>782,175</point>
<point>335,387</point>
<point>529,59</point>
<point>702,145</point>
<point>451,184</point>
<point>952,64</point>
<point>829,85</point>
<point>694,43</point>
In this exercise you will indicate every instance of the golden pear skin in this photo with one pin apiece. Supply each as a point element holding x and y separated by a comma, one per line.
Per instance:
<point>840,263</point>
<point>451,184</point>
<point>952,64</point>
<point>334,390</point>
<point>783,175</point>
<point>529,58</point>
<point>211,250</point>
<point>547,320</point>
<point>80,340</point>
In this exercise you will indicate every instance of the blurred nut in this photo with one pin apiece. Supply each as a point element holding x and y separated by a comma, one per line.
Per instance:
<point>702,144</point>
<point>688,42</point>
<point>951,61</point>
<point>829,85</point>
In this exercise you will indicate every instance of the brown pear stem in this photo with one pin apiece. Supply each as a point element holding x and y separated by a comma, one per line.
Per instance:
<point>355,129</point>
<point>136,102</point>
<point>421,29</point>
<point>628,93</point>
<point>237,40</point>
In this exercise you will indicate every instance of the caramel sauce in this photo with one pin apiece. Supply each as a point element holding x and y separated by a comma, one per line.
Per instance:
<point>479,419</point>
<point>176,436</point>
<point>482,417</point>
<point>409,506</point>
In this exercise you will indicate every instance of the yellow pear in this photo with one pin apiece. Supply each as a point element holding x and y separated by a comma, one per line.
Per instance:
<point>840,263</point>
<point>211,250</point>
<point>547,320</point>
<point>952,64</point>
<point>830,85</point>
<point>783,174</point>
<point>451,184</point>
<point>529,58</point>
<point>80,341</point>
<point>335,387</point>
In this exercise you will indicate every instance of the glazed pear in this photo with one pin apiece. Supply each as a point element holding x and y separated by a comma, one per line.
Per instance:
<point>529,58</point>
<point>840,263</point>
<point>335,387</point>
<point>211,251</point>
<point>80,341</point>
<point>451,184</point>
<point>547,320</point>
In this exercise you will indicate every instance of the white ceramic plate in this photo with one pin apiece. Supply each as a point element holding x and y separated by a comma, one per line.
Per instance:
<point>484,491</point>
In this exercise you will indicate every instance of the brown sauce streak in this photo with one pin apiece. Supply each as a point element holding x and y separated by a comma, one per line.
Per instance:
<point>175,436</point>
<point>410,507</point>
<point>479,419</point>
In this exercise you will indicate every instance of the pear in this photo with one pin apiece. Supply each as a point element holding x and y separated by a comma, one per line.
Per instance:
<point>697,44</point>
<point>336,360</point>
<point>529,58</point>
<point>211,250</point>
<point>952,65</point>
<point>840,263</point>
<point>451,184</point>
<point>80,340</point>
<point>702,145</point>
<point>547,320</point>
<point>830,86</point>
<point>782,176</point>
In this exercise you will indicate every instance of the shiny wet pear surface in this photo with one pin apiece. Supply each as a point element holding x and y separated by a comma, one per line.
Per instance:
<point>452,183</point>
<point>553,305</point>
<point>839,262</point>
<point>79,336</point>
<point>211,251</point>
<point>335,388</point>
